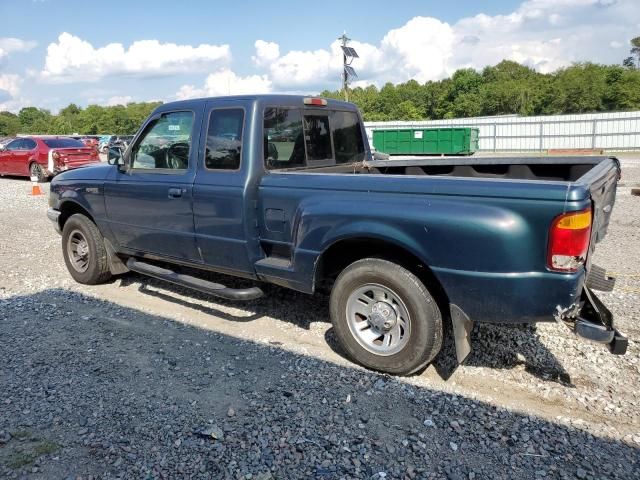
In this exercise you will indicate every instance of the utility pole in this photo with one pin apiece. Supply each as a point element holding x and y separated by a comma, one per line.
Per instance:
<point>348,54</point>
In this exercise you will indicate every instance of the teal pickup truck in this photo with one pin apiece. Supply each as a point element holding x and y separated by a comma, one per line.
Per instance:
<point>284,190</point>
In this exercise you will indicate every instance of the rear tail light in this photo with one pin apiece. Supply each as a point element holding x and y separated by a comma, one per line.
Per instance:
<point>569,241</point>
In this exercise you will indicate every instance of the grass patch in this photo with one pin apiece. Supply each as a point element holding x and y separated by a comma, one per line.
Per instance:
<point>27,456</point>
<point>20,459</point>
<point>22,434</point>
<point>46,447</point>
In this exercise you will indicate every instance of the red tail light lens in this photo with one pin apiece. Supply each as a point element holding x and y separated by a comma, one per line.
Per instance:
<point>569,241</point>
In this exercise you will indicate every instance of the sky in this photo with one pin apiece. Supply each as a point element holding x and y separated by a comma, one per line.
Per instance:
<point>55,52</point>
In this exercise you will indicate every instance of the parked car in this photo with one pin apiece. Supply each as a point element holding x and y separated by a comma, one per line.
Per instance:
<point>43,156</point>
<point>404,245</point>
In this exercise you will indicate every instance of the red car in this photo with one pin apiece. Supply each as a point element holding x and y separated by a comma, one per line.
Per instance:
<point>43,157</point>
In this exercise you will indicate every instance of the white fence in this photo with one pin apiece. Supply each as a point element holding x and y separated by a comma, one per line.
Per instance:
<point>618,131</point>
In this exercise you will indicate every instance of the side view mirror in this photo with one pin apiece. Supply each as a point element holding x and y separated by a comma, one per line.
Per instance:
<point>115,156</point>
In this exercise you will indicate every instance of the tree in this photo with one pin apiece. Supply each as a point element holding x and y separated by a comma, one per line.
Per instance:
<point>635,49</point>
<point>9,124</point>
<point>629,62</point>
<point>34,120</point>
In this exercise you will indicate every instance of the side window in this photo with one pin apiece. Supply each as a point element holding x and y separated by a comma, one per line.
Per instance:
<point>28,144</point>
<point>165,144</point>
<point>15,145</point>
<point>224,139</point>
<point>317,137</point>
<point>283,138</point>
<point>347,137</point>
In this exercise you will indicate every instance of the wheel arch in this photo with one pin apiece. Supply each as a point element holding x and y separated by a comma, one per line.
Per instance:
<point>343,252</point>
<point>68,208</point>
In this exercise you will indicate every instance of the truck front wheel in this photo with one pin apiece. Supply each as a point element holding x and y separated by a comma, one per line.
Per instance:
<point>83,251</point>
<point>384,317</point>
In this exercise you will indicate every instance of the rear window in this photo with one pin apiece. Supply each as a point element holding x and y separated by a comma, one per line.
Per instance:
<point>63,143</point>
<point>295,138</point>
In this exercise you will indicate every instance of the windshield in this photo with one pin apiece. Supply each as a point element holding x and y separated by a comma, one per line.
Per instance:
<point>64,143</point>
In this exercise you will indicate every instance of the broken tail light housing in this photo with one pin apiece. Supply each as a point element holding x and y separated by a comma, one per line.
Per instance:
<point>569,238</point>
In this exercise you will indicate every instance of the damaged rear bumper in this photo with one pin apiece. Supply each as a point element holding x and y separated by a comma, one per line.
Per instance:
<point>591,319</point>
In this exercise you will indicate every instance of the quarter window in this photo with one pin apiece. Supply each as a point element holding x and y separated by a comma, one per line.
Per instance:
<point>224,139</point>
<point>165,144</point>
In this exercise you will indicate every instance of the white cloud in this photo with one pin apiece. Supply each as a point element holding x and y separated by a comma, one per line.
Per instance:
<point>74,59</point>
<point>225,82</point>
<point>10,83</point>
<point>266,52</point>
<point>119,100</point>
<point>543,34</point>
<point>9,45</point>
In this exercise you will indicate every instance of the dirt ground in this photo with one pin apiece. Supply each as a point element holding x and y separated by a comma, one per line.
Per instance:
<point>161,355</point>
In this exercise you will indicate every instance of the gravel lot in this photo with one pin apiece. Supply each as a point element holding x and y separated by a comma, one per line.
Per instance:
<point>138,379</point>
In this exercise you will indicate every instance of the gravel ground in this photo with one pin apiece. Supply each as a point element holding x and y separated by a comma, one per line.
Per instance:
<point>137,379</point>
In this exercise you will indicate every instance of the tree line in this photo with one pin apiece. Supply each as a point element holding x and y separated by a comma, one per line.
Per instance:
<point>92,120</point>
<point>505,88</point>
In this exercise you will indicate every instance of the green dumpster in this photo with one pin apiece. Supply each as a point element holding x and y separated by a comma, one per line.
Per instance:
<point>426,141</point>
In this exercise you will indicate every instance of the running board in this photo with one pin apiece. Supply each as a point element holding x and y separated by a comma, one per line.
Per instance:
<point>194,283</point>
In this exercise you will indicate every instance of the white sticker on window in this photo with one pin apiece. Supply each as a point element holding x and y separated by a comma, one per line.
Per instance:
<point>417,134</point>
<point>174,127</point>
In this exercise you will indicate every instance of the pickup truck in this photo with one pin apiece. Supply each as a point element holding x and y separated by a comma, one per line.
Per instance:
<point>284,190</point>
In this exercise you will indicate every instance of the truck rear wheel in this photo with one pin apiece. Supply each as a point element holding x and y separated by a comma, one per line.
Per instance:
<point>384,317</point>
<point>83,251</point>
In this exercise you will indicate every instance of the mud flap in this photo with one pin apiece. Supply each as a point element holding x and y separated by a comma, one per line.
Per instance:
<point>462,326</point>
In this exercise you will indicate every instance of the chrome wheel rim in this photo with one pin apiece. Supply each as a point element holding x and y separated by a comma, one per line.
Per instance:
<point>378,319</point>
<point>78,251</point>
<point>35,170</point>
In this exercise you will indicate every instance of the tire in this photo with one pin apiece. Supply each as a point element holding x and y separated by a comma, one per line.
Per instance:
<point>84,252</point>
<point>401,310</point>
<point>35,170</point>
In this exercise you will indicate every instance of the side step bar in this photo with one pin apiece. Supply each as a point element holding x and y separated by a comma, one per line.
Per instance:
<point>194,283</point>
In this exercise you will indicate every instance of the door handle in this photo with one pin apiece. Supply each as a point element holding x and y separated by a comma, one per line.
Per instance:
<point>176,192</point>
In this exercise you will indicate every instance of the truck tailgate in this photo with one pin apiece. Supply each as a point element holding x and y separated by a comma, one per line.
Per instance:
<point>601,182</point>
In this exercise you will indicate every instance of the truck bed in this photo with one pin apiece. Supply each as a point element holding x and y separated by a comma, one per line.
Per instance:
<point>561,169</point>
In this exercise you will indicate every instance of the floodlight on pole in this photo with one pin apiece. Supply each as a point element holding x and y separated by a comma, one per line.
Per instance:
<point>348,55</point>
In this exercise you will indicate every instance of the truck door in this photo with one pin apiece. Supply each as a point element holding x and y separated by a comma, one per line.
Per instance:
<point>15,158</point>
<point>219,202</point>
<point>148,203</point>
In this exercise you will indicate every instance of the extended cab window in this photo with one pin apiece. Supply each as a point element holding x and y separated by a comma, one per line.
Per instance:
<point>283,138</point>
<point>165,143</point>
<point>224,139</point>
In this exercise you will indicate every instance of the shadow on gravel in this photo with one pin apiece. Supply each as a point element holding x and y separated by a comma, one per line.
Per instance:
<point>93,388</point>
<point>500,346</point>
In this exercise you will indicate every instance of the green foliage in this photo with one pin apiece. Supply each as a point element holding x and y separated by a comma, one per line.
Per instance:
<point>92,120</point>
<point>505,88</point>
